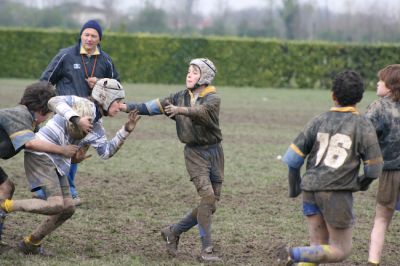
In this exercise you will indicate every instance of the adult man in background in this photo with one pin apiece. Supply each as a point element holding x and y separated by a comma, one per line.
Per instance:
<point>75,70</point>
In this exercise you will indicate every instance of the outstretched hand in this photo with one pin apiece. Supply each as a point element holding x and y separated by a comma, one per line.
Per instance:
<point>171,110</point>
<point>80,155</point>
<point>133,119</point>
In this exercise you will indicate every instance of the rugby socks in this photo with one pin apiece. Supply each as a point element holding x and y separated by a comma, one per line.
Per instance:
<point>310,254</point>
<point>6,205</point>
<point>28,240</point>
<point>372,263</point>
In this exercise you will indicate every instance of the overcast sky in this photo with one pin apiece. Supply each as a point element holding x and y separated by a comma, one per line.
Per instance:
<point>390,7</point>
<point>387,7</point>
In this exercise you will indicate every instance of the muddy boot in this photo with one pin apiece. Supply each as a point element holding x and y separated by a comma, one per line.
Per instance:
<point>171,239</point>
<point>30,249</point>
<point>208,255</point>
<point>283,257</point>
<point>77,201</point>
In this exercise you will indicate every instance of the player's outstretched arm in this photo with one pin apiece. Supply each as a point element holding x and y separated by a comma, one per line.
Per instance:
<point>45,146</point>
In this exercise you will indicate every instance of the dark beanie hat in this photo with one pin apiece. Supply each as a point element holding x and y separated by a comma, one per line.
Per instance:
<point>92,24</point>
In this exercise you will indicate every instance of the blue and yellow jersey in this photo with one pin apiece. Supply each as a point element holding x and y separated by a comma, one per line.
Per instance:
<point>334,145</point>
<point>201,125</point>
<point>17,127</point>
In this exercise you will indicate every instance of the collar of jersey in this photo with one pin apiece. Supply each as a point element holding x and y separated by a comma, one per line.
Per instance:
<point>347,109</point>
<point>209,89</point>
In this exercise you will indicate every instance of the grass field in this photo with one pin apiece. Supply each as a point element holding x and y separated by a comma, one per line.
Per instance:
<point>145,187</point>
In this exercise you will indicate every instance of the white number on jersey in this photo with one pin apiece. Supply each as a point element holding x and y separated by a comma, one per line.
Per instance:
<point>336,149</point>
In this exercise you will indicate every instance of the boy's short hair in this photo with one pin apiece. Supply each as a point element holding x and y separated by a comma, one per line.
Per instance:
<point>37,95</point>
<point>390,75</point>
<point>348,88</point>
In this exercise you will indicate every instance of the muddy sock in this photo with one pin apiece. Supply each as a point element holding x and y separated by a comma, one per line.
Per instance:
<point>204,219</point>
<point>310,254</point>
<point>7,205</point>
<point>205,239</point>
<point>29,240</point>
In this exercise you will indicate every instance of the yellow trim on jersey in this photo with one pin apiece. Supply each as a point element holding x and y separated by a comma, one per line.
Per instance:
<point>84,51</point>
<point>22,132</point>
<point>347,109</point>
<point>160,106</point>
<point>191,98</point>
<point>297,150</point>
<point>374,161</point>
<point>207,90</point>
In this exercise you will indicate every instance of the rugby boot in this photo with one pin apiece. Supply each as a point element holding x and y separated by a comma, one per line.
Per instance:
<point>283,257</point>
<point>171,239</point>
<point>31,249</point>
<point>208,255</point>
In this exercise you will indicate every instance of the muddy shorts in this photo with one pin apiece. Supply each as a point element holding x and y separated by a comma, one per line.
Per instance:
<point>205,165</point>
<point>42,173</point>
<point>335,206</point>
<point>389,189</point>
<point>3,176</point>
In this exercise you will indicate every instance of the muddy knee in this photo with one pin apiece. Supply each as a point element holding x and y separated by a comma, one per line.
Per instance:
<point>68,211</point>
<point>207,203</point>
<point>7,189</point>
<point>55,205</point>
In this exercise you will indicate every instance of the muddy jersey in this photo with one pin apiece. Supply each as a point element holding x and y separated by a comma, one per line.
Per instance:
<point>335,143</point>
<point>201,125</point>
<point>385,116</point>
<point>16,128</point>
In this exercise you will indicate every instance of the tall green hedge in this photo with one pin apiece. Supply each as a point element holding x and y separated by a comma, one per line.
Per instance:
<point>240,62</point>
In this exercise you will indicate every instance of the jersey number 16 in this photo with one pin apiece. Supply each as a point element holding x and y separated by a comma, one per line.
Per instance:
<point>335,148</point>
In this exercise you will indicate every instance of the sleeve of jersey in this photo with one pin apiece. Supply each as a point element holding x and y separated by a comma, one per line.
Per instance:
<point>19,138</point>
<point>373,168</point>
<point>62,105</point>
<point>374,164</point>
<point>372,156</point>
<point>106,148</point>
<point>152,107</point>
<point>294,157</point>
